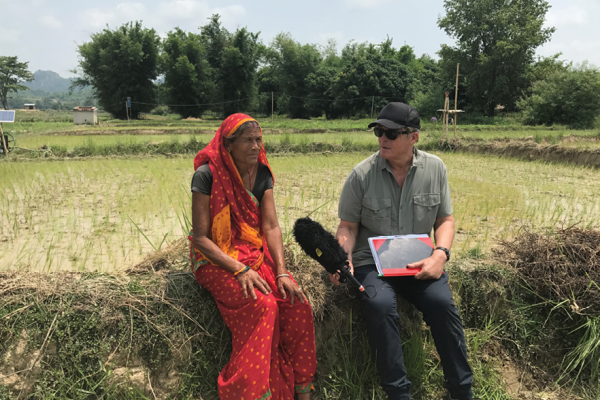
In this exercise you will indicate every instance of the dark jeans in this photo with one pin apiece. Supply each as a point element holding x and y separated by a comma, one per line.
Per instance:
<point>434,299</point>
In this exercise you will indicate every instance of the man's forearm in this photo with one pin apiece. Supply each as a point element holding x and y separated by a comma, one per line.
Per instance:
<point>444,234</point>
<point>347,239</point>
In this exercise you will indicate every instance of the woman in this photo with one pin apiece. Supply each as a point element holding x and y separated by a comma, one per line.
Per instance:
<point>237,255</point>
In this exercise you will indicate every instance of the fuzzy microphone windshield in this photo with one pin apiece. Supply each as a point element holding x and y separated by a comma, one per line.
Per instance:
<point>324,248</point>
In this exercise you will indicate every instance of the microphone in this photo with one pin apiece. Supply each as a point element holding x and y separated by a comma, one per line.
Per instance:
<point>323,247</point>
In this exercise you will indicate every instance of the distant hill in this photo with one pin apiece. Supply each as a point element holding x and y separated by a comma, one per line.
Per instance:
<point>48,81</point>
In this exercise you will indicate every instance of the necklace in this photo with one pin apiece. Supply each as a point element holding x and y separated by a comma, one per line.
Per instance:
<point>250,179</point>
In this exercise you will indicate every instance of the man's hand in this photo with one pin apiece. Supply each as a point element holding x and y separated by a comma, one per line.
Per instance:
<point>431,267</point>
<point>286,285</point>
<point>249,279</point>
<point>335,278</point>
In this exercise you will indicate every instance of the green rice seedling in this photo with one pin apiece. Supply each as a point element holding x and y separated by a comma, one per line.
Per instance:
<point>475,252</point>
<point>88,201</point>
<point>585,354</point>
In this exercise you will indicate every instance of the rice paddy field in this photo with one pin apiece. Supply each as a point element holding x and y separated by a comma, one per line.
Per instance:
<point>106,214</point>
<point>103,212</point>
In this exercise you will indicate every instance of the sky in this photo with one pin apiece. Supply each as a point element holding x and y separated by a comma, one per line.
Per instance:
<point>46,33</point>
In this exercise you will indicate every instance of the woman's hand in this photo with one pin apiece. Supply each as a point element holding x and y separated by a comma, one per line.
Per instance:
<point>286,285</point>
<point>249,279</point>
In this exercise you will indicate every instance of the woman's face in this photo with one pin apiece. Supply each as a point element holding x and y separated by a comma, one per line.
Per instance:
<point>246,148</point>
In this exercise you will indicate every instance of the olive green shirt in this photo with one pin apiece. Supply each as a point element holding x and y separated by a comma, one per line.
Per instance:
<point>372,197</point>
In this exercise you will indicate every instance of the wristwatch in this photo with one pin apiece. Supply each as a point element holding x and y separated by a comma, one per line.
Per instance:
<point>445,250</point>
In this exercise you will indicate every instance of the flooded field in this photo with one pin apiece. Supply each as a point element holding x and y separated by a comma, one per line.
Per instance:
<point>106,214</point>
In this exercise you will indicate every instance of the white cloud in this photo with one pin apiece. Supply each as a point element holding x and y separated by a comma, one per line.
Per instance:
<point>96,18</point>
<point>51,22</point>
<point>561,17</point>
<point>366,3</point>
<point>131,11</point>
<point>183,9</point>
<point>338,37</point>
<point>232,15</point>
<point>8,35</point>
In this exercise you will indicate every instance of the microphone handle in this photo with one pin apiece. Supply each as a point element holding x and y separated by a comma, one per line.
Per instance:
<point>345,273</point>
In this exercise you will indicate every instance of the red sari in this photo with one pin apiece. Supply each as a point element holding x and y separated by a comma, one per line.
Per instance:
<point>273,342</point>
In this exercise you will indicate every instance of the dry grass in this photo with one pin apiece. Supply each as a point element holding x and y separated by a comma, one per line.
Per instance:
<point>561,264</point>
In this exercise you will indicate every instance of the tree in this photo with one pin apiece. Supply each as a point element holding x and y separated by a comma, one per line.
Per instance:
<point>320,83</point>
<point>239,70</point>
<point>292,63</point>
<point>12,74</point>
<point>187,73</point>
<point>233,59</point>
<point>496,43</point>
<point>570,97</point>
<point>368,70</point>
<point>119,64</point>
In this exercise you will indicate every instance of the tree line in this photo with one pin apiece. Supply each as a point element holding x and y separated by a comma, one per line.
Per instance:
<point>225,72</point>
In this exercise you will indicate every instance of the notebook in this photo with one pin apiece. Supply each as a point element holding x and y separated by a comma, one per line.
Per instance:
<point>393,253</point>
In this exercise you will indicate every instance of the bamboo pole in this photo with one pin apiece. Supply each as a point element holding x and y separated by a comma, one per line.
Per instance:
<point>272,108</point>
<point>446,115</point>
<point>372,104</point>
<point>3,141</point>
<point>456,98</point>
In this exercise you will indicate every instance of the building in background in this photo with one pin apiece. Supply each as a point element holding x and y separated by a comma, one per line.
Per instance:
<point>30,106</point>
<point>85,115</point>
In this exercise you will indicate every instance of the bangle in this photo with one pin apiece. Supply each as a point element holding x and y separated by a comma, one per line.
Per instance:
<point>241,271</point>
<point>282,275</point>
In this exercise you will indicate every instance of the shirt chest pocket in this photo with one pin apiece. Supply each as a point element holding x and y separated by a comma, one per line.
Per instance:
<point>425,211</point>
<point>376,215</point>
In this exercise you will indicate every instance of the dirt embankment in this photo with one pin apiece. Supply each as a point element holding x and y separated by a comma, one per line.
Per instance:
<point>113,132</point>
<point>527,150</point>
<point>185,131</point>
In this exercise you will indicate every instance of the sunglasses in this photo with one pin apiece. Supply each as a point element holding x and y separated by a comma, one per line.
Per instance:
<point>389,133</point>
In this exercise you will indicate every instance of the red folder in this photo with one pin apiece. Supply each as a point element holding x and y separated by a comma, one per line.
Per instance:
<point>393,253</point>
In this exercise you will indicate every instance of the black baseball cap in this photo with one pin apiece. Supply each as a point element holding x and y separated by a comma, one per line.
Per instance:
<point>397,116</point>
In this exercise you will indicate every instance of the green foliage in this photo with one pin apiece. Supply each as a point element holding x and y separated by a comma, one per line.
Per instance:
<point>160,110</point>
<point>363,79</point>
<point>119,64</point>
<point>540,331</point>
<point>570,97</point>
<point>12,74</point>
<point>292,63</point>
<point>368,70</point>
<point>496,44</point>
<point>187,73</point>
<point>429,101</point>
<point>233,59</point>
<point>238,71</point>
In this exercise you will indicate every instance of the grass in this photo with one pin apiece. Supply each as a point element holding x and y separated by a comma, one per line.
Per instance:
<point>104,214</point>
<point>61,121</point>
<point>72,142</point>
<point>545,336</point>
<point>165,331</point>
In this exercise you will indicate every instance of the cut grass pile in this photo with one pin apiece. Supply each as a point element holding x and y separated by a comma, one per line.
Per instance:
<point>542,299</point>
<point>154,333</point>
<point>159,335</point>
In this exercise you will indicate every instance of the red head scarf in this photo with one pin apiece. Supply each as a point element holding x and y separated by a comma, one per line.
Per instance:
<point>235,217</point>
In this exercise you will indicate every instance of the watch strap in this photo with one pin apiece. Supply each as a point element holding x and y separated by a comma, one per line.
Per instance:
<point>445,250</point>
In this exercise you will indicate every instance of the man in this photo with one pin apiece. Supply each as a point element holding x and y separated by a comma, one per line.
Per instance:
<point>401,190</point>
